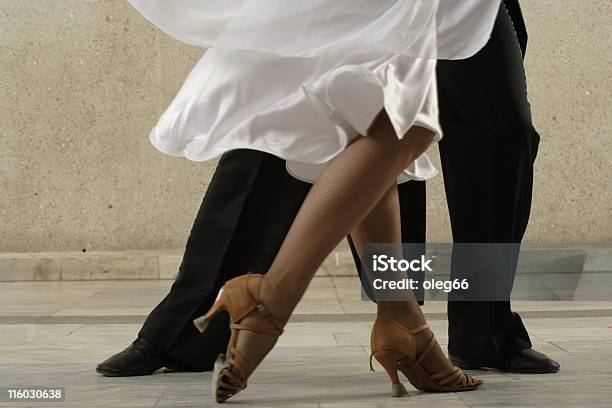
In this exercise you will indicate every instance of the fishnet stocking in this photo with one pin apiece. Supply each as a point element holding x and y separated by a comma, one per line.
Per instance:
<point>347,190</point>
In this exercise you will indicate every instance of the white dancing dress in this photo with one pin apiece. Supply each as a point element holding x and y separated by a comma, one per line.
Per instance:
<point>300,79</point>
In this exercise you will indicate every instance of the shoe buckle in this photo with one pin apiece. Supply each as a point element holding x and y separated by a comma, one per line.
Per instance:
<point>263,309</point>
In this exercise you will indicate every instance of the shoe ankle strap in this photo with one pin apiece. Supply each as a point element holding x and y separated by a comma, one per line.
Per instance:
<point>256,328</point>
<point>413,331</point>
<point>419,329</point>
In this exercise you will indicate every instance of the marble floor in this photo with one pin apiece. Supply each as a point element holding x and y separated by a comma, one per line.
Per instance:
<point>54,333</point>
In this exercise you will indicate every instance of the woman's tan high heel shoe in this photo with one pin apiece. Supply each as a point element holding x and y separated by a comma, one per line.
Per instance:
<point>394,347</point>
<point>239,297</point>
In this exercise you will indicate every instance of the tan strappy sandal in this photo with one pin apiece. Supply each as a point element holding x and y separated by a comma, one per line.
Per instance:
<point>394,347</point>
<point>239,297</point>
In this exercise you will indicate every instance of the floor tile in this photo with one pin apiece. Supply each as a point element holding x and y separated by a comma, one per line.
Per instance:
<point>321,361</point>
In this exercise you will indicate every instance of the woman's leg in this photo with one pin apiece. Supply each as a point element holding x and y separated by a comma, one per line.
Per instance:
<point>382,225</point>
<point>346,191</point>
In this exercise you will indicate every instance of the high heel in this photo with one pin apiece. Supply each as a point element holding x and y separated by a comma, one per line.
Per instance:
<point>239,297</point>
<point>389,359</point>
<point>202,322</point>
<point>394,347</point>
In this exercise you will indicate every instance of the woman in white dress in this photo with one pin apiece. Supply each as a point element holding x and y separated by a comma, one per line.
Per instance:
<point>345,91</point>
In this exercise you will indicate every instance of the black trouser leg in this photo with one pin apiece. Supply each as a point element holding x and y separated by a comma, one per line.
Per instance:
<point>248,208</point>
<point>487,159</point>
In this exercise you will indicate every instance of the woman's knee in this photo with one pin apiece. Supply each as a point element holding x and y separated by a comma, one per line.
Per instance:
<point>416,141</point>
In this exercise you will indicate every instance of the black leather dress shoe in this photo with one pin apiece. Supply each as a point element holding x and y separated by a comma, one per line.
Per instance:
<point>140,358</point>
<point>528,361</point>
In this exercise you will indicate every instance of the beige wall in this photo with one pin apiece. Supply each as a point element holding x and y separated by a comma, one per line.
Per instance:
<point>82,82</point>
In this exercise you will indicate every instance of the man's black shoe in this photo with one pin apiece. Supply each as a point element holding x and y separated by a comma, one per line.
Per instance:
<point>528,361</point>
<point>140,358</point>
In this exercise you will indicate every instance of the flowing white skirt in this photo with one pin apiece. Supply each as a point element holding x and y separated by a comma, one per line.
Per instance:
<point>302,79</point>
